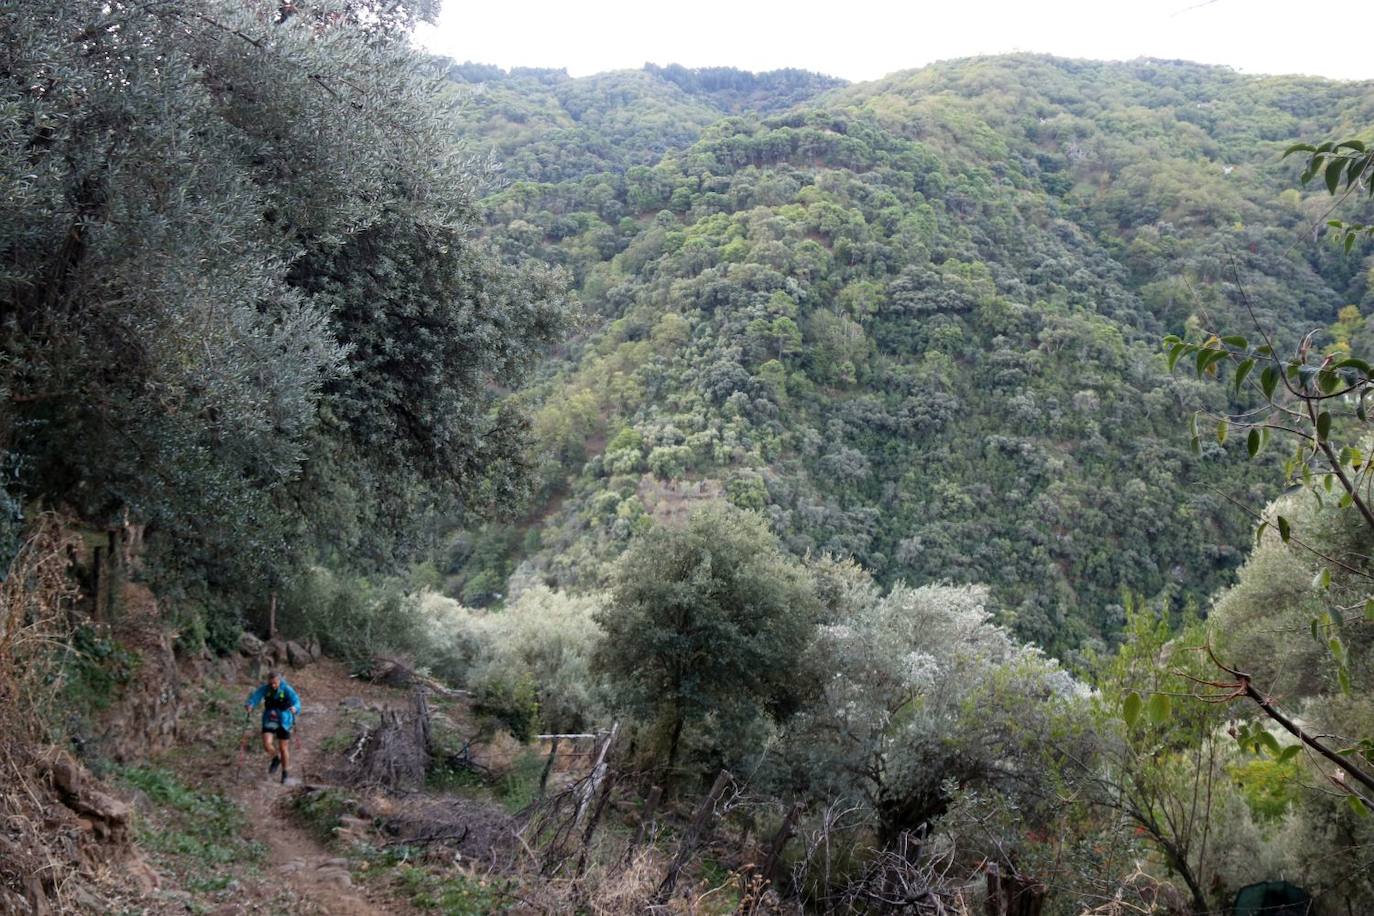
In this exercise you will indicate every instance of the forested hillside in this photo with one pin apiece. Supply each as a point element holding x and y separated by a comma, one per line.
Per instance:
<point>915,322</point>
<point>542,125</point>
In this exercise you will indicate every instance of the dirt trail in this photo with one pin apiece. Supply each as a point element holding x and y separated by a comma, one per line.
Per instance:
<point>317,879</point>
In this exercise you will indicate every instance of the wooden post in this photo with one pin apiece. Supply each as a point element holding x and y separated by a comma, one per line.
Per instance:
<point>598,773</point>
<point>591,824</point>
<point>689,839</point>
<point>548,767</point>
<point>994,904</point>
<point>115,576</point>
<point>785,833</point>
<point>272,615</point>
<point>1012,894</point>
<point>422,723</point>
<point>102,584</point>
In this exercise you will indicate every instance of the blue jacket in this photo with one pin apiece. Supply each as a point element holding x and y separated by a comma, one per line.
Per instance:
<point>286,717</point>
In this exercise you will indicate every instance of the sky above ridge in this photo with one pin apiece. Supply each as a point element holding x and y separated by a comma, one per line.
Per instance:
<point>865,39</point>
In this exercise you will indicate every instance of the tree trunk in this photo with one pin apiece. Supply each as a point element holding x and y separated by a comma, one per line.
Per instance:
<point>1180,865</point>
<point>775,848</point>
<point>670,777</point>
<point>1012,894</point>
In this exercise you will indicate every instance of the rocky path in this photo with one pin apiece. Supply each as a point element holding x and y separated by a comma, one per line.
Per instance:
<point>300,874</point>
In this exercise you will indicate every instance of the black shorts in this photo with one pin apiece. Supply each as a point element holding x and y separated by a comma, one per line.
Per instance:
<point>272,728</point>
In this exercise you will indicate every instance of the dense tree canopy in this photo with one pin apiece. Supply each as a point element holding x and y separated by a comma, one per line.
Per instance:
<point>922,693</point>
<point>706,622</point>
<point>225,229</point>
<point>915,322</point>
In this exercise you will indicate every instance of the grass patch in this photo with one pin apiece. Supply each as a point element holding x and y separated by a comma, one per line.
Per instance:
<point>199,833</point>
<point>219,713</point>
<point>520,786</point>
<point>449,742</point>
<point>458,780</point>
<point>725,897</point>
<point>451,891</point>
<point>454,894</point>
<point>321,811</point>
<point>351,724</point>
<point>340,741</point>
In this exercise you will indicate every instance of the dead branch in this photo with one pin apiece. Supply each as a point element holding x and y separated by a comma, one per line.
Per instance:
<point>1243,686</point>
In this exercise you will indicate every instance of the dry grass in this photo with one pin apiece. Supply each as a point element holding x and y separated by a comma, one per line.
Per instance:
<point>34,599</point>
<point>36,861</point>
<point>607,889</point>
<point>1140,894</point>
<point>611,891</point>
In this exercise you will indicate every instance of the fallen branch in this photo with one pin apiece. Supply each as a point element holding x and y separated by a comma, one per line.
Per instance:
<point>395,673</point>
<point>433,838</point>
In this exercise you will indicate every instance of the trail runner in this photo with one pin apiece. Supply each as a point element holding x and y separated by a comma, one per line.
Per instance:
<point>281,704</point>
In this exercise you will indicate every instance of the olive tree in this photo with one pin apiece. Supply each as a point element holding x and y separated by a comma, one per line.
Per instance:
<point>238,241</point>
<point>923,694</point>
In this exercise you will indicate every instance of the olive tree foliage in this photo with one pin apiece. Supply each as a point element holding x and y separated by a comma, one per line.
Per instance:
<point>539,646</point>
<point>705,627</point>
<point>922,694</point>
<point>429,318</point>
<point>213,218</point>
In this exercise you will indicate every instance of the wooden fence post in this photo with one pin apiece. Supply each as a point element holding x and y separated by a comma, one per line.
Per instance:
<point>598,773</point>
<point>785,833</point>
<point>591,824</point>
<point>548,767</point>
<point>689,839</point>
<point>102,585</point>
<point>1012,894</point>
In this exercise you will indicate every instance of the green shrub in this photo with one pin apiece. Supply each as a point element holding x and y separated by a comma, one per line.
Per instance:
<point>511,698</point>
<point>321,811</point>
<point>203,827</point>
<point>670,461</point>
<point>623,461</point>
<point>1269,787</point>
<point>96,670</point>
<point>201,614</point>
<point>528,661</point>
<point>353,617</point>
<point>456,893</point>
<point>520,785</point>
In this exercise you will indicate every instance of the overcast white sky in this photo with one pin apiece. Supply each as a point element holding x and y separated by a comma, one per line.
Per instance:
<point>865,39</point>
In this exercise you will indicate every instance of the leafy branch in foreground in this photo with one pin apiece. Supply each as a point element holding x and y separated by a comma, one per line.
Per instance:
<point>1345,163</point>
<point>1318,399</point>
<point>1320,402</point>
<point>1259,739</point>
